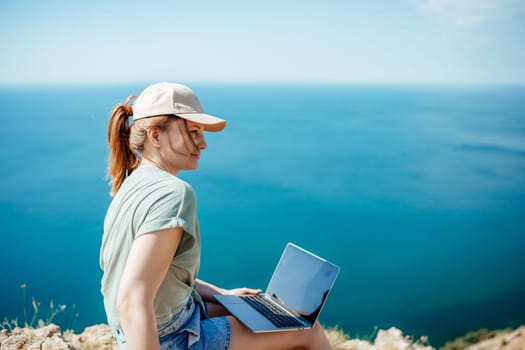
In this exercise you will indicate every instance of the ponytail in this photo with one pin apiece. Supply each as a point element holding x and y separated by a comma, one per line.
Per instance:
<point>122,159</point>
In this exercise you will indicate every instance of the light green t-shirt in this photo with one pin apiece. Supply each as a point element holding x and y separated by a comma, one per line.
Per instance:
<point>151,199</point>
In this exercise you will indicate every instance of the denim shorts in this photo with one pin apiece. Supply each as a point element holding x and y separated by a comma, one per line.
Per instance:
<point>189,329</point>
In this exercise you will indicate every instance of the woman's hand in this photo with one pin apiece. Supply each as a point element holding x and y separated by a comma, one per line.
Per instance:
<point>208,290</point>
<point>243,291</point>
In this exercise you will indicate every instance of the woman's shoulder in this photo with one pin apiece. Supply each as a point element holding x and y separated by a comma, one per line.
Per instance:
<point>154,180</point>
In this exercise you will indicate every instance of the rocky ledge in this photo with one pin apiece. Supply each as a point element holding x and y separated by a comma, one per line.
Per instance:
<point>99,337</point>
<point>51,338</point>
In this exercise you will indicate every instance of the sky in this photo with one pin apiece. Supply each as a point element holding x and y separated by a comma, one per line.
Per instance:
<point>339,41</point>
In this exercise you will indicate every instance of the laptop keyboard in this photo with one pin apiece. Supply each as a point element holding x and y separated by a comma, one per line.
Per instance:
<point>271,312</point>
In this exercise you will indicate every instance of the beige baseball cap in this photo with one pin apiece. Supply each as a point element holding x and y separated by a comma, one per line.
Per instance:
<point>177,99</point>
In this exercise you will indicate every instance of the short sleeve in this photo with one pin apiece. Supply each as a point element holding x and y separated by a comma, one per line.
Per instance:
<point>173,208</point>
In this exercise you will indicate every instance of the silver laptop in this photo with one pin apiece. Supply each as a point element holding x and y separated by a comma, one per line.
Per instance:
<point>294,297</point>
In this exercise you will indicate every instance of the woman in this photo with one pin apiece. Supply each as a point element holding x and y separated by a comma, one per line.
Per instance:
<point>150,250</point>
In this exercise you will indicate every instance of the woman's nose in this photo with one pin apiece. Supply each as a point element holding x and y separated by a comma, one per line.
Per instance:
<point>202,143</point>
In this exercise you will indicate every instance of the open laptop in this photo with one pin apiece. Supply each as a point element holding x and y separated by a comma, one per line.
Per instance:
<point>294,297</point>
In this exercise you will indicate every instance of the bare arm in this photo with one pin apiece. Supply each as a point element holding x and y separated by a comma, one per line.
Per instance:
<point>147,265</point>
<point>208,290</point>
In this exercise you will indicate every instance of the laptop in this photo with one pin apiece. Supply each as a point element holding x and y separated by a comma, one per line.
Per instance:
<point>293,300</point>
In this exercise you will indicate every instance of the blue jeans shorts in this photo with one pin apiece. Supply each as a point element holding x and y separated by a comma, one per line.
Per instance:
<point>189,329</point>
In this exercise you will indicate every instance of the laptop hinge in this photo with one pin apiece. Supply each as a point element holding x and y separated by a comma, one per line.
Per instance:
<point>304,321</point>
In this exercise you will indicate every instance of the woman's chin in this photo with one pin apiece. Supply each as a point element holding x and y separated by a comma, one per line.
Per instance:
<point>193,166</point>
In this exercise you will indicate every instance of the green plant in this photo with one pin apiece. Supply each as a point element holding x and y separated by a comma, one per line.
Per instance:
<point>371,337</point>
<point>73,318</point>
<point>9,325</point>
<point>35,320</point>
<point>472,337</point>
<point>368,337</point>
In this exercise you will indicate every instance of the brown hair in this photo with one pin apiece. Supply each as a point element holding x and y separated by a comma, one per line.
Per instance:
<point>127,142</point>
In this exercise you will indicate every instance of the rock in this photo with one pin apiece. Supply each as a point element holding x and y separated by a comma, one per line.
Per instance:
<point>3,335</point>
<point>506,341</point>
<point>18,338</point>
<point>355,344</point>
<point>335,336</point>
<point>56,342</point>
<point>98,336</point>
<point>51,338</point>
<point>44,338</point>
<point>47,331</point>
<point>391,339</point>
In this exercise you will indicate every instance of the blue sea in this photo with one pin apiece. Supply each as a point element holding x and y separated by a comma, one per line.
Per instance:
<point>417,192</point>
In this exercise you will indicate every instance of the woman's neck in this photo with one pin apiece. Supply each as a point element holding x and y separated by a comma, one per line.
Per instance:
<point>147,161</point>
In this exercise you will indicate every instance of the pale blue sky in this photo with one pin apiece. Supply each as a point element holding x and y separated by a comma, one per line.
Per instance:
<point>383,41</point>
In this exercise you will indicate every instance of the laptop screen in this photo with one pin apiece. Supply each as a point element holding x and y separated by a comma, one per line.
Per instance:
<point>302,281</point>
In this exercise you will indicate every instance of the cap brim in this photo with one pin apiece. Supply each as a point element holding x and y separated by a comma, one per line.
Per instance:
<point>210,123</point>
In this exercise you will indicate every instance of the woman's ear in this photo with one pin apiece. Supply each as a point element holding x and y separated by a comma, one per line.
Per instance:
<point>153,135</point>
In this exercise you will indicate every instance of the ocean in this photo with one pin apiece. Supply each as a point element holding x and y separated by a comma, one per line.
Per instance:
<point>416,192</point>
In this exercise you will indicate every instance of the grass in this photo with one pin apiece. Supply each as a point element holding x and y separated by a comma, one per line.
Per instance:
<point>336,335</point>
<point>472,338</point>
<point>38,319</point>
